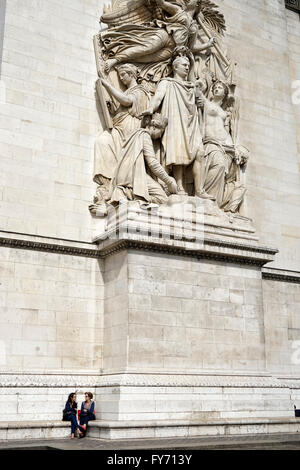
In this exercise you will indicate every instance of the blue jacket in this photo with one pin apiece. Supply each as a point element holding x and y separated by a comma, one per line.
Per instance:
<point>91,413</point>
<point>69,411</point>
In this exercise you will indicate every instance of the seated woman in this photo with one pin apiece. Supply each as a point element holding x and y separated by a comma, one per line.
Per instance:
<point>87,412</point>
<point>70,414</point>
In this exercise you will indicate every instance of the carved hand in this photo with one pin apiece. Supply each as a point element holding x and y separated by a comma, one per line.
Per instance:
<point>105,83</point>
<point>241,156</point>
<point>200,102</point>
<point>172,185</point>
<point>212,42</point>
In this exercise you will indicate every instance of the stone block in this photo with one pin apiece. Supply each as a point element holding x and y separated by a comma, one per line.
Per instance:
<point>172,431</point>
<point>142,302</point>
<point>168,304</point>
<point>214,294</point>
<point>182,291</point>
<point>228,337</point>
<point>148,332</point>
<point>236,297</point>
<point>3,434</point>
<point>253,297</point>
<point>206,431</point>
<point>236,324</point>
<point>147,287</point>
<point>197,307</point>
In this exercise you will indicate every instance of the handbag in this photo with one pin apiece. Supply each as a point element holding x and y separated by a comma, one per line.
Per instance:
<point>67,414</point>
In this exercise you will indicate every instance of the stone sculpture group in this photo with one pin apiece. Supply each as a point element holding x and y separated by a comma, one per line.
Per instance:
<point>168,97</point>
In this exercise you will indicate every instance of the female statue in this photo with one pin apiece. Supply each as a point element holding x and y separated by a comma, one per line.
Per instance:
<point>219,169</point>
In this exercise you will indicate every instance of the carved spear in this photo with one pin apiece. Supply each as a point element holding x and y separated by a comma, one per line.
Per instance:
<point>210,36</point>
<point>102,95</point>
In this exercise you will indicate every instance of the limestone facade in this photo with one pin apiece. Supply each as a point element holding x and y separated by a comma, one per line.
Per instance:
<point>69,316</point>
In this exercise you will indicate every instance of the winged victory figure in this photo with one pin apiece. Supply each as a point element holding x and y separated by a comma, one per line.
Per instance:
<point>146,32</point>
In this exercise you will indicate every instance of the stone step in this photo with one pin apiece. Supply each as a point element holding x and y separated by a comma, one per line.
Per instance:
<point>150,429</point>
<point>192,428</point>
<point>15,430</point>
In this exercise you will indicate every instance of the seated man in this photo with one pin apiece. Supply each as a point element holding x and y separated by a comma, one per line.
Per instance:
<point>137,174</point>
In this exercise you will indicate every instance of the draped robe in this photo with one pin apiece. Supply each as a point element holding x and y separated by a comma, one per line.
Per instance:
<point>182,138</point>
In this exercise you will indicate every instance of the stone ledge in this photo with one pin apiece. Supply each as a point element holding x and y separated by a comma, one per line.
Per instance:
<point>145,423</point>
<point>281,275</point>
<point>27,430</point>
<point>62,247</point>
<point>141,380</point>
<point>173,429</point>
<point>231,242</point>
<point>33,424</point>
<point>218,250</point>
<point>196,422</point>
<point>47,380</point>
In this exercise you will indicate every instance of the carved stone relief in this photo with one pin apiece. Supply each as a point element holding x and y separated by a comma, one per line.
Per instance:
<point>168,97</point>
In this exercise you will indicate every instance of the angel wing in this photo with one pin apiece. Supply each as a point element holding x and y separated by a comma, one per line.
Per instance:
<point>131,12</point>
<point>213,17</point>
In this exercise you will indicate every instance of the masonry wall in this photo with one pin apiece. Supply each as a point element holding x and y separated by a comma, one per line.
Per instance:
<point>175,314</point>
<point>52,306</point>
<point>262,38</point>
<point>51,313</point>
<point>293,29</point>
<point>115,320</point>
<point>48,117</point>
<point>282,327</point>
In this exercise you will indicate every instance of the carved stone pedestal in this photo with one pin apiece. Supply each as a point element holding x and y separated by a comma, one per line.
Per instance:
<point>184,341</point>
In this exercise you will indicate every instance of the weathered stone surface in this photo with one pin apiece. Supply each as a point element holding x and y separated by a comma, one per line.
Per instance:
<point>52,308</point>
<point>68,313</point>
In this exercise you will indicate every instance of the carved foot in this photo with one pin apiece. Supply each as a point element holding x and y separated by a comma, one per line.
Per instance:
<point>205,195</point>
<point>182,192</point>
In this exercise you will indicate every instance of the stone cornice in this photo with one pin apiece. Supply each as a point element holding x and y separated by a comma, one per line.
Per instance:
<point>293,5</point>
<point>236,252</point>
<point>281,275</point>
<point>138,380</point>
<point>64,249</point>
<point>213,249</point>
<point>10,380</point>
<point>220,250</point>
<point>47,380</point>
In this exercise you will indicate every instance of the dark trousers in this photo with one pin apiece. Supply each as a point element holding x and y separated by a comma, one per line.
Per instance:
<point>74,423</point>
<point>84,420</point>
